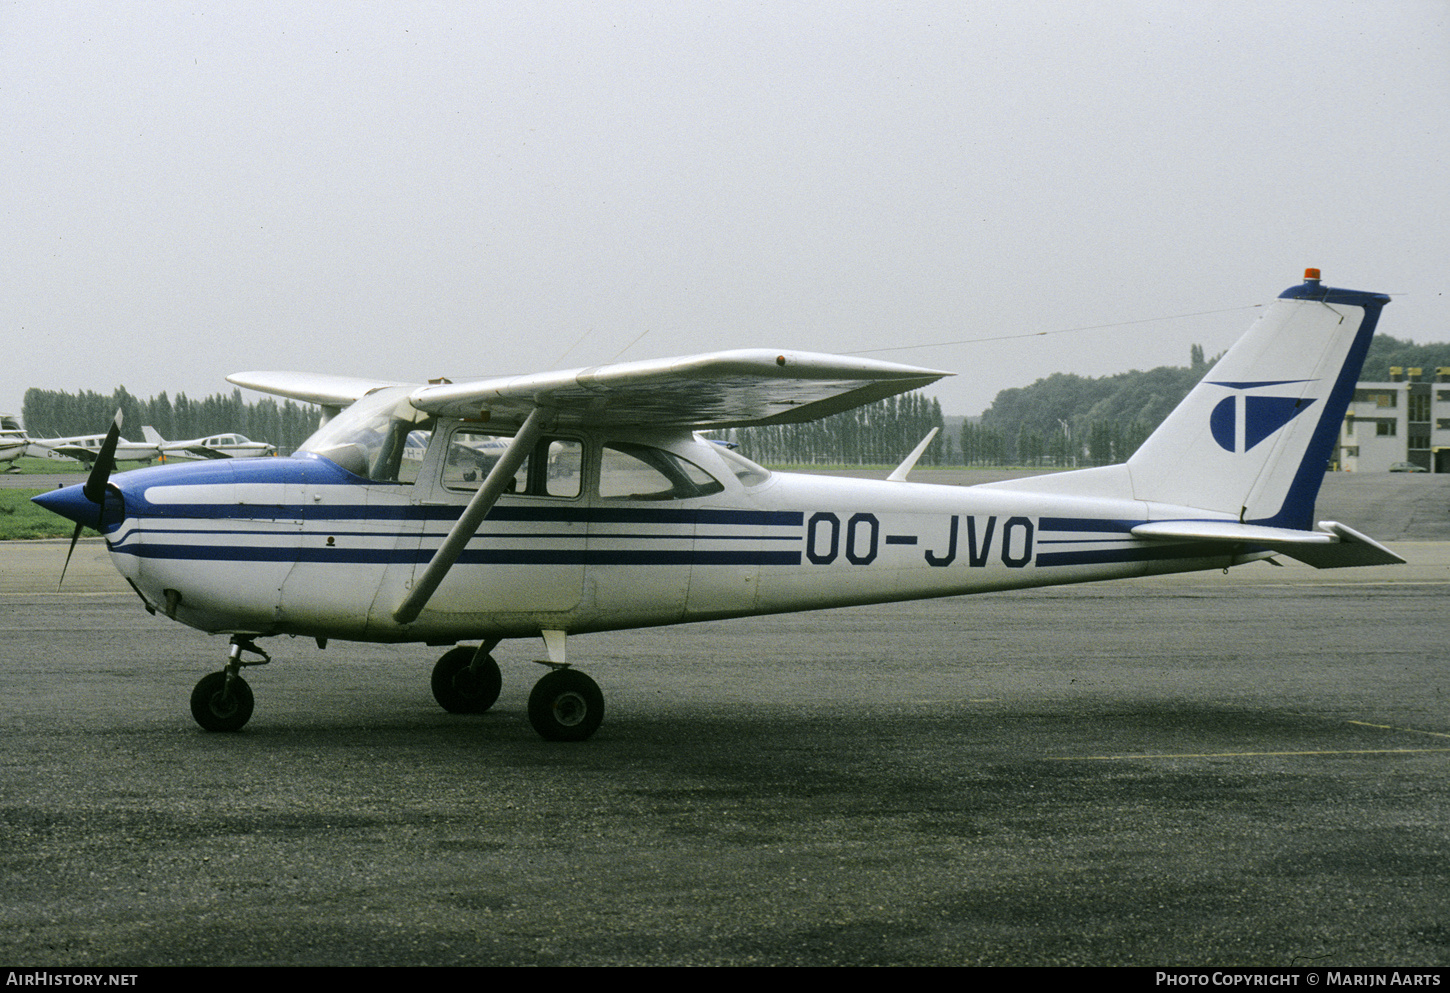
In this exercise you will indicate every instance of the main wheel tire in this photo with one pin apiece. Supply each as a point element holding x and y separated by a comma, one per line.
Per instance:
<point>460,690</point>
<point>566,706</point>
<point>217,707</point>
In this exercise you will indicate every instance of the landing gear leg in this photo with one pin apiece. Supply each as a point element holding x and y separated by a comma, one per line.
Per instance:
<point>223,701</point>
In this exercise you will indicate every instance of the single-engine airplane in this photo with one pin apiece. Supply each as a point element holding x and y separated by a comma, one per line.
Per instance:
<point>217,446</point>
<point>13,440</point>
<point>568,502</point>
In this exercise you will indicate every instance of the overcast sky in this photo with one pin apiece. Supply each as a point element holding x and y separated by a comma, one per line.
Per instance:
<point>412,190</point>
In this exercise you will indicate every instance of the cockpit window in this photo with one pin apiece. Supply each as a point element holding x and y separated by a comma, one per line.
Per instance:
<point>639,472</point>
<point>554,467</point>
<point>381,437</point>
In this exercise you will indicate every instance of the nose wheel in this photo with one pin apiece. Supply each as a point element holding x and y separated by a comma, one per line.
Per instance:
<point>223,701</point>
<point>219,705</point>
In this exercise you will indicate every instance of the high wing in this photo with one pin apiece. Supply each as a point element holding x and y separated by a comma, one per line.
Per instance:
<point>322,389</point>
<point>714,390</point>
<point>717,389</point>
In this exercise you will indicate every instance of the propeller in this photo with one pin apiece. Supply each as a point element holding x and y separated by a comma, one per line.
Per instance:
<point>94,489</point>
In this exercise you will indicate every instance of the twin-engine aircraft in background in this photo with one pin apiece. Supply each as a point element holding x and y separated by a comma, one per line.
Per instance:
<point>562,503</point>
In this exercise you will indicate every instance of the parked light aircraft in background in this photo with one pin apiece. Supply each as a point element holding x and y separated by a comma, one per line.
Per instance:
<point>557,504</point>
<point>87,448</point>
<point>13,442</point>
<point>217,446</point>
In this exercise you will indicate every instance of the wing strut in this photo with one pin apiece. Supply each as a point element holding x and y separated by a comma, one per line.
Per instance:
<point>473,515</point>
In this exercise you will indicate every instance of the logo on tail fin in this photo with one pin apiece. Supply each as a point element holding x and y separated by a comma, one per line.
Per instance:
<point>1242,420</point>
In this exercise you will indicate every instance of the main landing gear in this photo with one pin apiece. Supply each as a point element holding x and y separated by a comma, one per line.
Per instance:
<point>565,705</point>
<point>466,680</point>
<point>222,701</point>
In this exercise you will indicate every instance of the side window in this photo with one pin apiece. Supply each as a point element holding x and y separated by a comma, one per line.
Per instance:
<point>559,467</point>
<point>639,472</point>
<point>415,446</point>
<point>554,467</point>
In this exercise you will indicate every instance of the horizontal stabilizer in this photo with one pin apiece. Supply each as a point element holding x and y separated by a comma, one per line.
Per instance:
<point>1334,547</point>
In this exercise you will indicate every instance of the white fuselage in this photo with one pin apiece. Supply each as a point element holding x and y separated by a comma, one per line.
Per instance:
<point>55,448</point>
<point>300,546</point>
<point>13,444</point>
<point>234,446</point>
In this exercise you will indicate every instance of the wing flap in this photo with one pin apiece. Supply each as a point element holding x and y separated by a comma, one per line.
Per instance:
<point>1336,546</point>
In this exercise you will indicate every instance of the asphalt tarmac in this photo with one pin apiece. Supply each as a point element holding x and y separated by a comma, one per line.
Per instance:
<point>1241,769</point>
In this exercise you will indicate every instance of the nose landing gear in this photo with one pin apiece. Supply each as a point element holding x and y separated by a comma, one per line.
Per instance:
<point>223,701</point>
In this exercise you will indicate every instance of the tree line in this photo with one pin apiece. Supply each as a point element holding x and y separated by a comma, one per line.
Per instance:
<point>879,433</point>
<point>54,413</point>
<point>1069,420</point>
<point>1387,352</point>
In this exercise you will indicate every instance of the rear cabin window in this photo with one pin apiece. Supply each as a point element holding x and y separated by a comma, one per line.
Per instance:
<point>554,468</point>
<point>639,472</point>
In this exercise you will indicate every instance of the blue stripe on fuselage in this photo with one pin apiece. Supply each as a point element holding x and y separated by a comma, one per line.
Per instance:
<point>482,556</point>
<point>1133,553</point>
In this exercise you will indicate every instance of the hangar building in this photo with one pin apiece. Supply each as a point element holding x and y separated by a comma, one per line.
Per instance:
<point>1405,420</point>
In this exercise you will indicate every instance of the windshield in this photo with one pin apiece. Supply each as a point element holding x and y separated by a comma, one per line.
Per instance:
<point>380,437</point>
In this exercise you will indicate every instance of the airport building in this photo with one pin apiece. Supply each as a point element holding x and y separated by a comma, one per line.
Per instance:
<point>1403,421</point>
